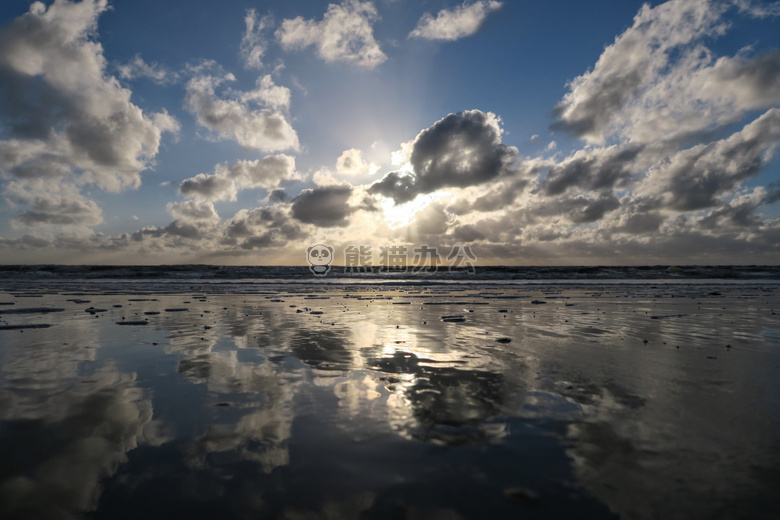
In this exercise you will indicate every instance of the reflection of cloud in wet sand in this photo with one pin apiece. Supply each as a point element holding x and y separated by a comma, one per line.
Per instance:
<point>261,434</point>
<point>646,467</point>
<point>443,405</point>
<point>53,464</point>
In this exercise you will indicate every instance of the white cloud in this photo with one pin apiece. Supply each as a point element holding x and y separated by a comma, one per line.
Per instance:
<point>260,128</point>
<point>758,8</point>
<point>138,68</point>
<point>634,60</point>
<point>69,119</point>
<point>193,211</point>
<point>267,172</point>
<point>454,24</point>
<point>658,83</point>
<point>345,33</point>
<point>228,180</point>
<point>269,93</point>
<point>351,162</point>
<point>253,43</point>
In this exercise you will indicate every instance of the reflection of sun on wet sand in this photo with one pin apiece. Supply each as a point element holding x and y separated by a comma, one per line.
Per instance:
<point>296,401</point>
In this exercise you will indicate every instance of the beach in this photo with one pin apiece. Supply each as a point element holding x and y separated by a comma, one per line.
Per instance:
<point>609,399</point>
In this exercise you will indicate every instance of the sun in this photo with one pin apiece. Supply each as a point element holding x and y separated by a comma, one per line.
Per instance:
<point>401,215</point>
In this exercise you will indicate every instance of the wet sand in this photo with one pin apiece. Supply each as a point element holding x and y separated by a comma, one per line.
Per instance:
<point>447,401</point>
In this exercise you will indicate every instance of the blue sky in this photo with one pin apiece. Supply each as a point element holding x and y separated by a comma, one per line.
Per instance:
<point>604,132</point>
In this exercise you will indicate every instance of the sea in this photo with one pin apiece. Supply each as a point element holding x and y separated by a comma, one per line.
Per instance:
<point>381,275</point>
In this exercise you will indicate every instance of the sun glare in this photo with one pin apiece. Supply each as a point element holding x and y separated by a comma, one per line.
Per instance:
<point>401,215</point>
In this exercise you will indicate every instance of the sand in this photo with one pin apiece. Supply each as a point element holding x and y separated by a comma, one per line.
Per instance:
<point>446,401</point>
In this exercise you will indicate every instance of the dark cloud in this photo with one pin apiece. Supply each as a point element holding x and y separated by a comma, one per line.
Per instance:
<point>278,195</point>
<point>693,179</point>
<point>592,169</point>
<point>740,212</point>
<point>25,242</point>
<point>499,197</point>
<point>639,223</point>
<point>582,210</point>
<point>461,150</point>
<point>399,186</point>
<point>325,206</point>
<point>467,234</point>
<point>209,187</point>
<point>47,210</point>
<point>184,230</point>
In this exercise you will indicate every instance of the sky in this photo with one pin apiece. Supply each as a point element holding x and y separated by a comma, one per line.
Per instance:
<point>533,132</point>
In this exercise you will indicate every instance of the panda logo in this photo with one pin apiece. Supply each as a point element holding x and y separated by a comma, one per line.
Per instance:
<point>319,256</point>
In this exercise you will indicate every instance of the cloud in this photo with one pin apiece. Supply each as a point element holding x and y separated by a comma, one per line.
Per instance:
<point>234,118</point>
<point>267,172</point>
<point>65,117</point>
<point>269,93</point>
<point>277,195</point>
<point>261,228</point>
<point>460,22</point>
<point>592,169</point>
<point>694,178</point>
<point>138,68</point>
<point>48,209</point>
<point>460,150</point>
<point>191,210</point>
<point>637,56</point>
<point>253,44</point>
<point>209,187</point>
<point>759,8</point>
<point>228,180</point>
<point>399,186</point>
<point>345,33</point>
<point>658,83</point>
<point>324,206</point>
<point>351,162</point>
